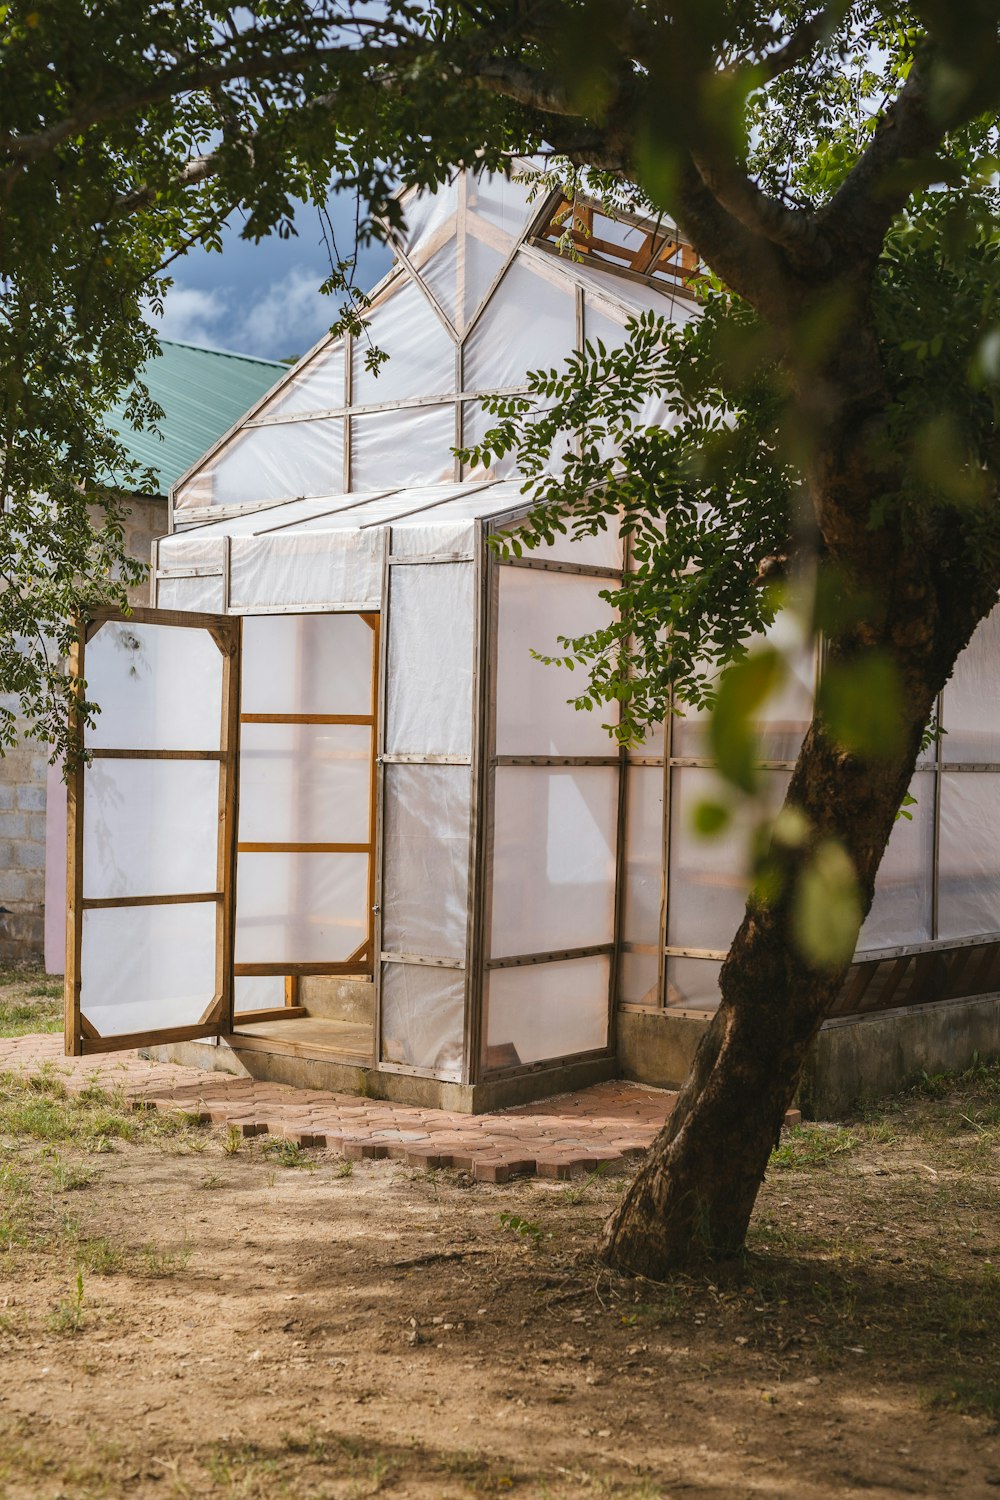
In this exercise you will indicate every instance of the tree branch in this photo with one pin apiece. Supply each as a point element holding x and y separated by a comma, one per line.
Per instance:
<point>794,230</point>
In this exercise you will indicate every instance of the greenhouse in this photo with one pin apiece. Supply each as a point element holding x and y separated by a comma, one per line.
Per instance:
<point>340,821</point>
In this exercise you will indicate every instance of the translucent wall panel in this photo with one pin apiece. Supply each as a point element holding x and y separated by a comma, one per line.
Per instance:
<point>305,783</point>
<point>307,664</point>
<point>972,699</point>
<point>427,214</point>
<point>421,352</point>
<point>318,386</point>
<point>150,827</point>
<point>258,992</point>
<point>601,550</point>
<point>301,908</point>
<point>553,858</point>
<point>429,672</point>
<point>159,688</point>
<point>783,721</point>
<point>205,594</point>
<point>601,326</point>
<point>969,874</point>
<point>411,446</point>
<point>425,872</point>
<point>708,877</point>
<point>534,716</point>
<point>546,1011</point>
<point>901,910</point>
<point>693,983</point>
<point>530,324</point>
<point>507,205</point>
<point>423,1012</point>
<point>642,880</point>
<point>147,966</point>
<point>638,979</point>
<point>308,570</point>
<point>482,265</point>
<point>440,275</point>
<point>279,462</point>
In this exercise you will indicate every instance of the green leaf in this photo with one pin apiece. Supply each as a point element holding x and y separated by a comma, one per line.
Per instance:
<point>744,687</point>
<point>827,907</point>
<point>710,818</point>
<point>862,704</point>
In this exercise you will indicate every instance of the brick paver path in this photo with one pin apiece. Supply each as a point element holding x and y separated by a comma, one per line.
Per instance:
<point>554,1138</point>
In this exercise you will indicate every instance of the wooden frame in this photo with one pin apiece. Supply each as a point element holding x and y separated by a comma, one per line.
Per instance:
<point>81,1036</point>
<point>361,961</point>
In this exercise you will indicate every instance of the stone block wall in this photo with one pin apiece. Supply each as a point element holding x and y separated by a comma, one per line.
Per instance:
<point>23,775</point>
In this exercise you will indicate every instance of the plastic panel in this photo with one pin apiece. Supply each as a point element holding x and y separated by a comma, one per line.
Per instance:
<point>305,783</point>
<point>533,714</point>
<point>482,263</point>
<point>643,854</point>
<point>901,910</point>
<point>258,991</point>
<point>554,858</point>
<point>547,1011</point>
<point>440,275</point>
<point>969,876</point>
<point>782,724</point>
<point>529,325</point>
<point>150,827</point>
<point>272,463</point>
<point>638,978</point>
<point>421,353</point>
<point>146,967</point>
<point>307,664</point>
<point>301,908</point>
<point>410,446</point>
<point>425,874</point>
<point>318,386</point>
<point>429,671</point>
<point>972,699</point>
<point>476,423</point>
<point>205,594</point>
<point>426,214</point>
<point>159,688</point>
<point>303,569</point>
<point>502,203</point>
<point>708,877</point>
<point>693,983</point>
<point>423,1013</point>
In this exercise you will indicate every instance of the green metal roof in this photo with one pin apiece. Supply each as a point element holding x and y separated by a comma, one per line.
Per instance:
<point>202,393</point>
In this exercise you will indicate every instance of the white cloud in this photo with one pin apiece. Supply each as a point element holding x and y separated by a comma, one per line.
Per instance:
<point>287,318</point>
<point>193,316</point>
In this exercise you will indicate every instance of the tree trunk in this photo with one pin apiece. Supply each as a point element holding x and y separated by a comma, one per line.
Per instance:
<point>694,1194</point>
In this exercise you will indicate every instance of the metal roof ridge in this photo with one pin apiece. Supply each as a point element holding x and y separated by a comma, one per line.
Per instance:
<point>257,359</point>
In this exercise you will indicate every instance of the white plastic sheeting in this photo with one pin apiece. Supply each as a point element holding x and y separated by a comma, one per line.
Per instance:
<point>304,569</point>
<point>206,593</point>
<point>972,700</point>
<point>534,714</point>
<point>408,446</point>
<point>425,874</point>
<point>150,827</point>
<point>423,1011</point>
<point>693,983</point>
<point>317,385</point>
<point>300,908</point>
<point>258,992</point>
<point>708,879</point>
<point>529,325</point>
<point>158,688</point>
<point>545,1011</point>
<point>969,889</point>
<point>507,205</point>
<point>901,910</point>
<point>429,673</point>
<point>307,664</point>
<point>305,783</point>
<point>642,879</point>
<point>555,834</point>
<point>421,353</point>
<point>284,459</point>
<point>145,966</point>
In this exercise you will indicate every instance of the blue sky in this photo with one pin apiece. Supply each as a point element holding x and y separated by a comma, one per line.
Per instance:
<point>264,299</point>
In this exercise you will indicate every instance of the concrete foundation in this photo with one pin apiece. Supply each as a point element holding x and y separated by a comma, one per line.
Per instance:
<point>854,1059</point>
<point>318,1072</point>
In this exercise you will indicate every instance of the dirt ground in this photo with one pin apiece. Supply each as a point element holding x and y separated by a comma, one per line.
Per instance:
<point>184,1313</point>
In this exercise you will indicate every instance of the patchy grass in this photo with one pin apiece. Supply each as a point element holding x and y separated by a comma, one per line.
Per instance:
<point>30,1001</point>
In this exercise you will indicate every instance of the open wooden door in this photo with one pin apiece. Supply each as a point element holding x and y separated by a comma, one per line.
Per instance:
<point>151,831</point>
